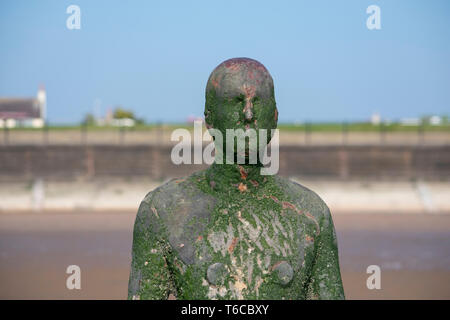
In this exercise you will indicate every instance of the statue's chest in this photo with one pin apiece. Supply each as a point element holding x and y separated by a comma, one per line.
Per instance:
<point>246,253</point>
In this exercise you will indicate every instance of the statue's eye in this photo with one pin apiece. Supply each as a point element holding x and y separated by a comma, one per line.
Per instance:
<point>239,98</point>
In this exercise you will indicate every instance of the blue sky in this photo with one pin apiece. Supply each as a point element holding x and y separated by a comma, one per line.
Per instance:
<point>155,56</point>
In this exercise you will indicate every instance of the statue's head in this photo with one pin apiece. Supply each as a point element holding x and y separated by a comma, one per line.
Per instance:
<point>240,95</point>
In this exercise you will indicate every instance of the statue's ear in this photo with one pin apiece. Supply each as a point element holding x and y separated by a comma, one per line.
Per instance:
<point>208,123</point>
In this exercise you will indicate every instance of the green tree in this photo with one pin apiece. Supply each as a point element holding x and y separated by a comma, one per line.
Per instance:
<point>88,120</point>
<point>120,113</point>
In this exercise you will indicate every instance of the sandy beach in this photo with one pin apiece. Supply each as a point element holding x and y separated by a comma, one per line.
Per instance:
<point>36,248</point>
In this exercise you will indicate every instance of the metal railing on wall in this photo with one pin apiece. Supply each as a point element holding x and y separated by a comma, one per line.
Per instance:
<point>307,134</point>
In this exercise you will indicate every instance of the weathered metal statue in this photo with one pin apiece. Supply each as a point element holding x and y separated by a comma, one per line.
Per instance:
<point>229,232</point>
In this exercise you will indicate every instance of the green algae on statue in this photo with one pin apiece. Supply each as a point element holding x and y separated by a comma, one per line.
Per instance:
<point>230,232</point>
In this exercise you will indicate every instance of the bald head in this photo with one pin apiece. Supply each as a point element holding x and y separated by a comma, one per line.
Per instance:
<point>238,76</point>
<point>240,94</point>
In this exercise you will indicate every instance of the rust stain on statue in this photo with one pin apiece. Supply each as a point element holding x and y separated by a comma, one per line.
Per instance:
<point>288,205</point>
<point>254,183</point>
<point>243,173</point>
<point>315,221</point>
<point>215,83</point>
<point>232,245</point>
<point>242,187</point>
<point>249,91</point>
<point>232,65</point>
<point>276,264</point>
<point>274,199</point>
<point>155,212</point>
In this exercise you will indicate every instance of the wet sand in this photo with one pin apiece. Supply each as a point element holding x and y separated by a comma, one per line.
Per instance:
<point>413,252</point>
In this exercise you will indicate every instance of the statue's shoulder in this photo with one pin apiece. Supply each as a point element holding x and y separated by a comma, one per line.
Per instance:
<point>178,200</point>
<point>304,198</point>
<point>178,211</point>
<point>169,193</point>
<point>177,192</point>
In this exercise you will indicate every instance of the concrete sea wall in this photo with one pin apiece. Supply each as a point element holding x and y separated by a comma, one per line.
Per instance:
<point>61,162</point>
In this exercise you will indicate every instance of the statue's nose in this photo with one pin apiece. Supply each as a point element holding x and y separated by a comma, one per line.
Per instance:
<point>248,110</point>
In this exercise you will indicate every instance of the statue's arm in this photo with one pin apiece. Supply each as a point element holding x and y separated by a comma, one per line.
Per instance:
<point>326,281</point>
<point>150,277</point>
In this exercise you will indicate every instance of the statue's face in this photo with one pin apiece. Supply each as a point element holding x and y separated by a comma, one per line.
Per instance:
<point>240,95</point>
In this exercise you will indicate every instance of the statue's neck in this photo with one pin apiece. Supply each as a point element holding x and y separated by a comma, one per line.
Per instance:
<point>222,177</point>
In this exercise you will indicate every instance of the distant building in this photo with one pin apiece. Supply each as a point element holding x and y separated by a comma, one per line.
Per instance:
<point>435,121</point>
<point>24,112</point>
<point>410,121</point>
<point>123,122</point>
<point>109,120</point>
